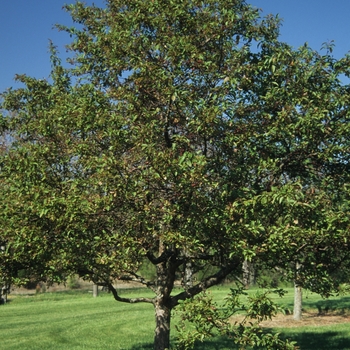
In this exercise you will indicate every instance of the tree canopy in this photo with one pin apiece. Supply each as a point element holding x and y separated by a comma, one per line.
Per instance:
<point>186,134</point>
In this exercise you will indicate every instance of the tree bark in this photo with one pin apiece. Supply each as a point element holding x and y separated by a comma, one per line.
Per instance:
<point>248,274</point>
<point>162,331</point>
<point>188,275</point>
<point>298,302</point>
<point>95,290</point>
<point>298,294</point>
<point>3,294</point>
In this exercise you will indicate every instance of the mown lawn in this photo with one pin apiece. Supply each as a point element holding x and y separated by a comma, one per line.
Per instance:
<point>75,320</point>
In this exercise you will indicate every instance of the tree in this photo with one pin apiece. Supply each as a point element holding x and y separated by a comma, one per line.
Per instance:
<point>184,134</point>
<point>315,246</point>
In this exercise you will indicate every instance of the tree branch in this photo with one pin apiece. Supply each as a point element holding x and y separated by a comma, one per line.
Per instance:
<point>117,297</point>
<point>205,284</point>
<point>161,258</point>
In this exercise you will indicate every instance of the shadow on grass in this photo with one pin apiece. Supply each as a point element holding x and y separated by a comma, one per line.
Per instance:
<point>3,302</point>
<point>329,340</point>
<point>148,346</point>
<point>213,344</point>
<point>216,344</point>
<point>340,306</point>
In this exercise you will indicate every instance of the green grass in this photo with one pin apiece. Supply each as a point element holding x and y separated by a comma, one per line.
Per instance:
<point>75,320</point>
<point>330,337</point>
<point>313,302</point>
<point>334,337</point>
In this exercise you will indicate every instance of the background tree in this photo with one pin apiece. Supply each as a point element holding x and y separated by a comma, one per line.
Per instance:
<point>186,134</point>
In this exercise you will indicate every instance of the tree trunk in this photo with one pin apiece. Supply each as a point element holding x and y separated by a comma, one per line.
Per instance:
<point>188,278</point>
<point>95,290</point>
<point>162,331</point>
<point>3,295</point>
<point>298,302</point>
<point>248,274</point>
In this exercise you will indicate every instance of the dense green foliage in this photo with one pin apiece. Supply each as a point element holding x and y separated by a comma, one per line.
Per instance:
<point>184,133</point>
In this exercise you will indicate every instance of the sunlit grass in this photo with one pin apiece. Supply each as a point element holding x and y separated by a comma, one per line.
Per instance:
<point>76,320</point>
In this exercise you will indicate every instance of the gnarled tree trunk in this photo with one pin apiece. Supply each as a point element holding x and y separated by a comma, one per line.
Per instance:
<point>162,331</point>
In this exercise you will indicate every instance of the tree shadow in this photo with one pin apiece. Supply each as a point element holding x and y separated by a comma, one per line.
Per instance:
<point>339,306</point>
<point>148,346</point>
<point>330,340</point>
<point>218,343</point>
<point>4,302</point>
<point>213,344</point>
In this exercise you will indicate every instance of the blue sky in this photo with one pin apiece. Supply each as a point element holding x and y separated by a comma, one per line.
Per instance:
<point>312,21</point>
<point>26,27</point>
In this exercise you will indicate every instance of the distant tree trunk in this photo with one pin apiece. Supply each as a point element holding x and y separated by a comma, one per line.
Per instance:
<point>298,302</point>
<point>298,296</point>
<point>95,290</point>
<point>3,296</point>
<point>248,274</point>
<point>162,331</point>
<point>188,275</point>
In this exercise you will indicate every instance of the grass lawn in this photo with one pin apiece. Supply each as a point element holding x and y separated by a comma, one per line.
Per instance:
<point>75,320</point>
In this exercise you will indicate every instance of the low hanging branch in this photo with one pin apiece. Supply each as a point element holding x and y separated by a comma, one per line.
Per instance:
<point>117,297</point>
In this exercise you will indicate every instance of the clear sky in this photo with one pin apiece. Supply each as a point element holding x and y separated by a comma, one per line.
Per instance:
<point>27,25</point>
